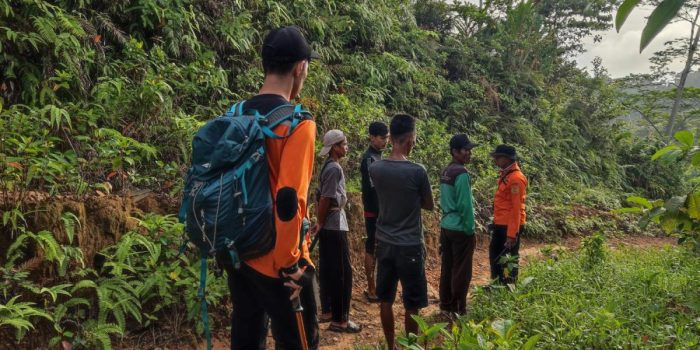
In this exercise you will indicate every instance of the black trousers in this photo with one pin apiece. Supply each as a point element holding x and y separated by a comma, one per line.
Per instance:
<point>335,274</point>
<point>456,272</point>
<point>259,300</point>
<point>497,250</point>
<point>370,242</point>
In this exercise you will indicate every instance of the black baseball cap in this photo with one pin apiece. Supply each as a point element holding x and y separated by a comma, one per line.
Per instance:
<point>286,45</point>
<point>505,151</point>
<point>461,141</point>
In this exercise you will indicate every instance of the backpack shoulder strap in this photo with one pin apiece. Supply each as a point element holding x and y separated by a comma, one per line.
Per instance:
<point>294,114</point>
<point>237,109</point>
<point>201,294</point>
<point>279,115</point>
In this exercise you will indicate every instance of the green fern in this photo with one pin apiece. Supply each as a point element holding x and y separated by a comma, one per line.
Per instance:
<point>70,221</point>
<point>21,315</point>
<point>53,291</point>
<point>99,334</point>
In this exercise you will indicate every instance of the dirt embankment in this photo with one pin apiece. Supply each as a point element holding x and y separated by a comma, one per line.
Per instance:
<point>102,219</point>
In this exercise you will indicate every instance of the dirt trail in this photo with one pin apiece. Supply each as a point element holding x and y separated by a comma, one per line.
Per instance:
<point>367,314</point>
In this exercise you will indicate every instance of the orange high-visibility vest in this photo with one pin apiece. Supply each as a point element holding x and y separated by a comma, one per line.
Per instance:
<point>509,202</point>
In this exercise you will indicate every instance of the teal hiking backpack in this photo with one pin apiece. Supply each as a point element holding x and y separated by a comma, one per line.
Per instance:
<point>227,201</point>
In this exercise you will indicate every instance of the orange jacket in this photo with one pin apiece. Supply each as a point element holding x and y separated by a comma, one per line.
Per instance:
<point>291,162</point>
<point>509,202</point>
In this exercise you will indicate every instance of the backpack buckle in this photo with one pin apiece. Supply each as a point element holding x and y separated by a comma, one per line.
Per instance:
<point>263,121</point>
<point>196,187</point>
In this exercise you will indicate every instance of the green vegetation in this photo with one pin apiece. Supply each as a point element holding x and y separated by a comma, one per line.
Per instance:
<point>679,214</point>
<point>143,281</point>
<point>102,97</point>
<point>106,95</point>
<point>627,299</point>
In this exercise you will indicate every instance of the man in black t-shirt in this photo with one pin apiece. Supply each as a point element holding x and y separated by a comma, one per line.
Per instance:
<point>378,137</point>
<point>403,190</point>
<point>261,287</point>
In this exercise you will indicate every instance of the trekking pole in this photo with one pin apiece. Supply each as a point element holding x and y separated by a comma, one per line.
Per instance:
<point>297,308</point>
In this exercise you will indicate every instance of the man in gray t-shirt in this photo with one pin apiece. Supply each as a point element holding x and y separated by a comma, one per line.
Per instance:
<point>403,190</point>
<point>402,187</point>
<point>332,227</point>
<point>332,186</point>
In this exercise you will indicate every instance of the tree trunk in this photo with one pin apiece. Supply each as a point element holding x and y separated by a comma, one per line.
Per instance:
<point>694,36</point>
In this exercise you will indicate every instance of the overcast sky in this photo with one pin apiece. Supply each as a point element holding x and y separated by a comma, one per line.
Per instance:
<point>620,51</point>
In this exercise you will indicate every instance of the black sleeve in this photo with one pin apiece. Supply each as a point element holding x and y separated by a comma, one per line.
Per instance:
<point>425,190</point>
<point>366,182</point>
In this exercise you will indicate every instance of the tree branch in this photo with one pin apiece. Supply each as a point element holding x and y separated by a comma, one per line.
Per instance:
<point>648,120</point>
<point>692,48</point>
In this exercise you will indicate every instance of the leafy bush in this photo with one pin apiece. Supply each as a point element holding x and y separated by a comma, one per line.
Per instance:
<point>680,214</point>
<point>466,334</point>
<point>640,298</point>
<point>143,282</point>
<point>141,81</point>
<point>593,251</point>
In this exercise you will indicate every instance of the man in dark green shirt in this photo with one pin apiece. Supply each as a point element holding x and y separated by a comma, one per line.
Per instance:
<point>457,239</point>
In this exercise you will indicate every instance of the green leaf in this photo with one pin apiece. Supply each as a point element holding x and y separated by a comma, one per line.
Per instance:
<point>623,12</point>
<point>695,160</point>
<point>642,202</point>
<point>658,20</point>
<point>531,342</point>
<point>526,281</point>
<point>694,305</point>
<point>84,284</point>
<point>422,325</point>
<point>685,137</point>
<point>675,203</point>
<point>627,210</point>
<point>663,151</point>
<point>669,223</point>
<point>694,206</point>
<point>501,327</point>
<point>646,219</point>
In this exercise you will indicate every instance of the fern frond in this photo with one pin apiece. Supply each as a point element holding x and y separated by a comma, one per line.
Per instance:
<point>109,28</point>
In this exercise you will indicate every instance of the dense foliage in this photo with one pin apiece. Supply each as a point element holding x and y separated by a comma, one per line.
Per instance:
<point>678,214</point>
<point>104,94</point>
<point>628,299</point>
<point>142,281</point>
<point>99,96</point>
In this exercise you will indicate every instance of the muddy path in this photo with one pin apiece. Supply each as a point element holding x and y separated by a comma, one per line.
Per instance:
<point>367,314</point>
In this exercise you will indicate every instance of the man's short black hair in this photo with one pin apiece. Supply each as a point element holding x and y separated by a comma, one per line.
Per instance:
<point>401,126</point>
<point>278,68</point>
<point>378,129</point>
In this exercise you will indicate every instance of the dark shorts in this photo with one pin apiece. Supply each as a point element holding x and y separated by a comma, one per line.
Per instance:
<point>407,265</point>
<point>370,242</point>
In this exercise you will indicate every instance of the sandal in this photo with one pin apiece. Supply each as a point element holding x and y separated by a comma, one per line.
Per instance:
<point>351,327</point>
<point>371,298</point>
<point>322,319</point>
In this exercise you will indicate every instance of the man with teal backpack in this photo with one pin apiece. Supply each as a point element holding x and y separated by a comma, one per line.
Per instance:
<point>245,202</point>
